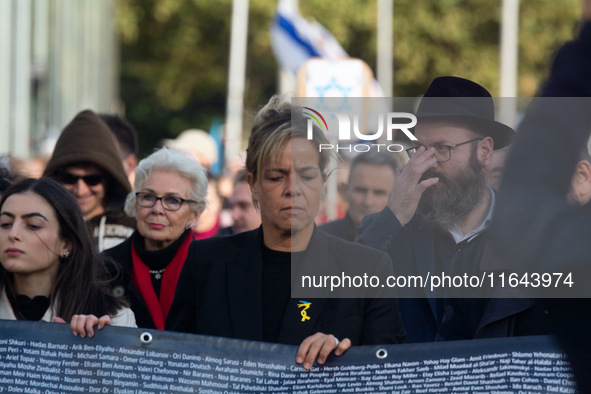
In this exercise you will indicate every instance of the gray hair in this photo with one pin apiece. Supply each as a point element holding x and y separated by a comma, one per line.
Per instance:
<point>170,160</point>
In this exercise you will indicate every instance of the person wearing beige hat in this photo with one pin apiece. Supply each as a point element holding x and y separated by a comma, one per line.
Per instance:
<point>198,143</point>
<point>86,162</point>
<point>203,148</point>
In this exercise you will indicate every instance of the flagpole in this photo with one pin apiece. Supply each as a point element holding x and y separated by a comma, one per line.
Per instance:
<point>509,54</point>
<point>236,77</point>
<point>385,67</point>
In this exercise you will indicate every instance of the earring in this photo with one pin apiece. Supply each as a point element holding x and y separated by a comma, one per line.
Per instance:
<point>65,254</point>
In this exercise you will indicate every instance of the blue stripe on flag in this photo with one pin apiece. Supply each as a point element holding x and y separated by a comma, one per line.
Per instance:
<point>290,29</point>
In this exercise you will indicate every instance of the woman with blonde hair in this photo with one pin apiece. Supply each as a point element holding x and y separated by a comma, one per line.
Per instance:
<point>240,286</point>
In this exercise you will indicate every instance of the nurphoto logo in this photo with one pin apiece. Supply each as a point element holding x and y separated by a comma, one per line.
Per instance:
<point>390,119</point>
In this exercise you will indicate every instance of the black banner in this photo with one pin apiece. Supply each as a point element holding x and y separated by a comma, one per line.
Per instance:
<point>46,358</point>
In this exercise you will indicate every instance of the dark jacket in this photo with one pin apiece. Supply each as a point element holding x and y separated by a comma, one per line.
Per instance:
<point>226,231</point>
<point>569,76</point>
<point>535,230</point>
<point>342,228</point>
<point>220,294</point>
<point>122,285</point>
<point>121,265</point>
<point>464,313</point>
<point>87,139</point>
<point>411,249</point>
<point>480,318</point>
<point>485,311</point>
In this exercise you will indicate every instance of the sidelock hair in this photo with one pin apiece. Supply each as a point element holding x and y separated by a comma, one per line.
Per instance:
<point>274,125</point>
<point>173,161</point>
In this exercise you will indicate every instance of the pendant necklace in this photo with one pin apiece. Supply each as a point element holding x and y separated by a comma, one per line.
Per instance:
<point>157,273</point>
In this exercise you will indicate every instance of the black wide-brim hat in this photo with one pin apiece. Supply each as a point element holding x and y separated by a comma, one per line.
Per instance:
<point>458,98</point>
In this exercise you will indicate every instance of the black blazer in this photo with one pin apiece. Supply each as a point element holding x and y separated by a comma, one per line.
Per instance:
<point>220,293</point>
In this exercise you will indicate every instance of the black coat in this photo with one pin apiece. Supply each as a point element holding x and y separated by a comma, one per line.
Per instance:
<point>488,312</point>
<point>122,285</point>
<point>467,313</point>
<point>220,293</point>
<point>411,249</point>
<point>569,76</point>
<point>535,230</point>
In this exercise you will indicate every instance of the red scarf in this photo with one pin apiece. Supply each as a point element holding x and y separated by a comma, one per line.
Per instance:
<point>141,279</point>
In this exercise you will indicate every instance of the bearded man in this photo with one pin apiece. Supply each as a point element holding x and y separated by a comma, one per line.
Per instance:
<point>440,203</point>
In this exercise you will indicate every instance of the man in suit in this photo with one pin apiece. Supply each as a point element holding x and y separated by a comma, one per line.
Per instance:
<point>371,178</point>
<point>440,202</point>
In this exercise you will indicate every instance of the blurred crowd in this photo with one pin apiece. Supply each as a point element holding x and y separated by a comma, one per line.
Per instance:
<point>364,180</point>
<point>94,236</point>
<point>229,206</point>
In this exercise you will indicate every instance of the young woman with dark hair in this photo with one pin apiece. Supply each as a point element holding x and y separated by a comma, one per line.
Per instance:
<point>49,269</point>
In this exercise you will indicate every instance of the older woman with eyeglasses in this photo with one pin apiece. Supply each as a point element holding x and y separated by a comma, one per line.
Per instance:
<point>168,197</point>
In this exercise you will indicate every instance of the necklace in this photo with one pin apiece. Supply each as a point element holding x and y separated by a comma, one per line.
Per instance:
<point>157,273</point>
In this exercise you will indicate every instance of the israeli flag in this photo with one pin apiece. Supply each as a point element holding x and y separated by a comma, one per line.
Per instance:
<point>295,39</point>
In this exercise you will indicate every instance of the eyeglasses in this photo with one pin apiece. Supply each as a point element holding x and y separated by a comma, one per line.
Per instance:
<point>170,203</point>
<point>442,152</point>
<point>71,179</point>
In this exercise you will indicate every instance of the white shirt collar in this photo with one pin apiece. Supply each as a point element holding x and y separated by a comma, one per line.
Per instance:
<point>456,233</point>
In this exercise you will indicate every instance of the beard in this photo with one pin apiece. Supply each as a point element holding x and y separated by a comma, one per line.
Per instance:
<point>453,198</point>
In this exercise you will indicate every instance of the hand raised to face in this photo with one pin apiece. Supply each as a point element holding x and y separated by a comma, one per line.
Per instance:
<point>408,188</point>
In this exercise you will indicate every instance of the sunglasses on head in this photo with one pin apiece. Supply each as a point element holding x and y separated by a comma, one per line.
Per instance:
<point>71,179</point>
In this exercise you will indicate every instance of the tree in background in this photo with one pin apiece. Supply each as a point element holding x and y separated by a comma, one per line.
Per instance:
<point>174,53</point>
